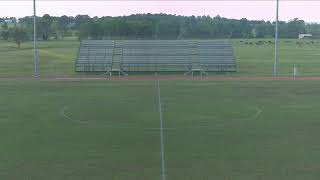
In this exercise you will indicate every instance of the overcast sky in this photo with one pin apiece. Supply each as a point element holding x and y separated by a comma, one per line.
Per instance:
<point>253,10</point>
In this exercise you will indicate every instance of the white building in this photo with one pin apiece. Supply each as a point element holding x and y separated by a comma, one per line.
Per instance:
<point>9,21</point>
<point>302,36</point>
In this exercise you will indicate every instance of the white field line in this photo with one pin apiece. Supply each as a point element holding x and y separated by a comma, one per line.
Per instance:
<point>163,169</point>
<point>223,124</point>
<point>130,126</point>
<point>63,114</point>
<point>259,112</point>
<point>81,78</point>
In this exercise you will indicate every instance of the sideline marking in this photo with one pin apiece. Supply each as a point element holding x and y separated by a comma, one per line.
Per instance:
<point>163,169</point>
<point>81,78</point>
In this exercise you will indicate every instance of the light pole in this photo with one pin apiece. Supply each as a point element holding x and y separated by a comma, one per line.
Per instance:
<point>35,46</point>
<point>276,58</point>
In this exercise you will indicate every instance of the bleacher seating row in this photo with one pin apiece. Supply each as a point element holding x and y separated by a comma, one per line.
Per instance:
<point>155,55</point>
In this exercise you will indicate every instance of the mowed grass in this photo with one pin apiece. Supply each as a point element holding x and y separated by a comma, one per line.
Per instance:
<point>254,57</point>
<point>110,130</point>
<point>56,58</point>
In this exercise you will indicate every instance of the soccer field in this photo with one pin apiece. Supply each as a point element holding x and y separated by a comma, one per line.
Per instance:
<point>111,130</point>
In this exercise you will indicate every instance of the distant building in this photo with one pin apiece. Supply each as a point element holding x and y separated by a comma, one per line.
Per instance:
<point>9,21</point>
<point>302,36</point>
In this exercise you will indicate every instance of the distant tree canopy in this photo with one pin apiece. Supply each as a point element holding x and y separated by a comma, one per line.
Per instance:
<point>18,34</point>
<point>313,29</point>
<point>4,33</point>
<point>162,26</point>
<point>159,26</point>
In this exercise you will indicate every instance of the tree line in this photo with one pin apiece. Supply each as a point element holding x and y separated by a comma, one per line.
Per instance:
<point>150,26</point>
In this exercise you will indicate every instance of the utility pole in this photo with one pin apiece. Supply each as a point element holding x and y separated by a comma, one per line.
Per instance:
<point>35,45</point>
<point>276,58</point>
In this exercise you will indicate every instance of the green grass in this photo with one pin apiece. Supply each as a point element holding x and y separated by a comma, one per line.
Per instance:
<point>57,58</point>
<point>257,60</point>
<point>109,130</point>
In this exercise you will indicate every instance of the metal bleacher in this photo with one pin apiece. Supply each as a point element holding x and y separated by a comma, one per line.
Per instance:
<point>216,56</point>
<point>155,56</point>
<point>94,56</point>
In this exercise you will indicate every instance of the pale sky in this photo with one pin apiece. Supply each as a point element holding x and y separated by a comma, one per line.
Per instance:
<point>253,10</point>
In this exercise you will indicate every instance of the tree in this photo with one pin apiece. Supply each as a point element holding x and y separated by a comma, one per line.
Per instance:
<point>81,19</point>
<point>296,27</point>
<point>4,32</point>
<point>27,23</point>
<point>18,34</point>
<point>44,24</point>
<point>54,29</point>
<point>65,23</point>
<point>313,29</point>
